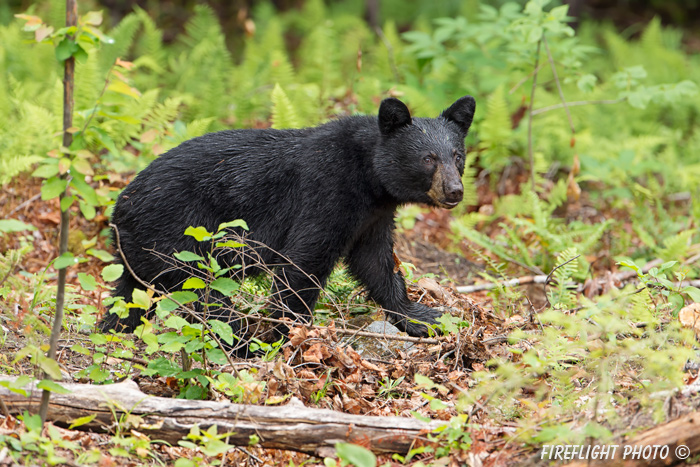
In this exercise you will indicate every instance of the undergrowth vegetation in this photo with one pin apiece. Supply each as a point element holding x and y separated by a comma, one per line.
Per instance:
<point>610,131</point>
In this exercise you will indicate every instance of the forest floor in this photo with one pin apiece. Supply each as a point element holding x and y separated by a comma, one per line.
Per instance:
<point>382,386</point>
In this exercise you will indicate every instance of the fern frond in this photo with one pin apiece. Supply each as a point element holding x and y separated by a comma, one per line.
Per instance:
<point>560,295</point>
<point>281,70</point>
<point>320,58</point>
<point>89,82</point>
<point>495,132</point>
<point>307,103</point>
<point>198,127</point>
<point>123,35</point>
<point>25,138</point>
<point>203,71</point>
<point>202,26</point>
<point>283,113</point>
<point>677,246</point>
<point>151,41</point>
<point>15,164</point>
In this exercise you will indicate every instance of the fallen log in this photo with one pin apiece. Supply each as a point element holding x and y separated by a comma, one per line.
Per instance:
<point>291,427</point>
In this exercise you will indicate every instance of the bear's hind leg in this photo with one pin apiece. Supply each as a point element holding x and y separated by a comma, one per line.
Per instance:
<point>125,287</point>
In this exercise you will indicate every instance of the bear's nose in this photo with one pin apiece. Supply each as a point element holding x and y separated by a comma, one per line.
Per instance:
<point>454,192</point>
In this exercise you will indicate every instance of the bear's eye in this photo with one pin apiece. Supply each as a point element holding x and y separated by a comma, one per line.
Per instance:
<point>459,157</point>
<point>429,159</point>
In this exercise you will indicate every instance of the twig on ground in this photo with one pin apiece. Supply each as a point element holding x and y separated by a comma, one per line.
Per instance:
<point>24,203</point>
<point>620,276</point>
<point>540,279</point>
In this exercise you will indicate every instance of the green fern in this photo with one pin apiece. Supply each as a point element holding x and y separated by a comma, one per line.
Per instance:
<point>281,70</point>
<point>676,247</point>
<point>151,41</point>
<point>320,58</point>
<point>283,113</point>
<point>560,295</point>
<point>198,127</point>
<point>24,140</point>
<point>123,35</point>
<point>89,81</point>
<point>199,28</point>
<point>202,71</point>
<point>495,132</point>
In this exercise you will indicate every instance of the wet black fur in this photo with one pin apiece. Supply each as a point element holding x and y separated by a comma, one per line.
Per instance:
<point>314,195</point>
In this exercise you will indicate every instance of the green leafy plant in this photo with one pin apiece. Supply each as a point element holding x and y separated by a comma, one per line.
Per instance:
<point>351,454</point>
<point>389,387</point>
<point>29,445</point>
<point>209,442</point>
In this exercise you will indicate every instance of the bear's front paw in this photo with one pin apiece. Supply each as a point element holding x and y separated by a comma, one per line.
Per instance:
<point>411,321</point>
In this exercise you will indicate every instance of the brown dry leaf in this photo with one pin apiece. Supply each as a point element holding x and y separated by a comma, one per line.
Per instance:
<point>573,191</point>
<point>317,353</point>
<point>149,136</point>
<point>272,386</point>
<point>52,217</point>
<point>350,352</point>
<point>431,286</point>
<point>321,382</point>
<point>342,359</point>
<point>328,333</point>
<point>297,335</point>
<point>354,377</point>
<point>124,64</point>
<point>107,461</point>
<point>367,390</point>
<point>397,262</point>
<point>306,375</point>
<point>370,366</point>
<point>281,370</point>
<point>689,316</point>
<point>398,372</point>
<point>139,435</point>
<point>352,406</point>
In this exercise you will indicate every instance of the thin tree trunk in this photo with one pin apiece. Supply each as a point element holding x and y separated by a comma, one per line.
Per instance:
<point>68,80</point>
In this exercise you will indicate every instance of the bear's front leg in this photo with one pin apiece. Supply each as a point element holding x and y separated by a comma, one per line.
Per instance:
<point>371,261</point>
<point>297,283</point>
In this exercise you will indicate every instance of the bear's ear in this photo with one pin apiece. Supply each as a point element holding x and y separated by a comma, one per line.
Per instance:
<point>393,114</point>
<point>461,113</point>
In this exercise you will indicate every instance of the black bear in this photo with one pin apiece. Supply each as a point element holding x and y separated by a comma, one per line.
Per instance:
<point>311,196</point>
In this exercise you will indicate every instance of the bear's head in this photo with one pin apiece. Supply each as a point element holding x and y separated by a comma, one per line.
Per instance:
<point>421,160</point>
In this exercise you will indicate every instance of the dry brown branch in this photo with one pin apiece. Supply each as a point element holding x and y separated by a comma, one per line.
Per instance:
<point>620,276</point>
